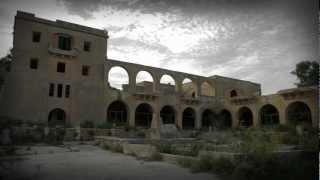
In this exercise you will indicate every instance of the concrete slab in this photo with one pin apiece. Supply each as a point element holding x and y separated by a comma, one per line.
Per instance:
<point>90,162</point>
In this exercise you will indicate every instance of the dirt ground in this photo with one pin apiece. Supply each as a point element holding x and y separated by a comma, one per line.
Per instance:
<point>87,162</point>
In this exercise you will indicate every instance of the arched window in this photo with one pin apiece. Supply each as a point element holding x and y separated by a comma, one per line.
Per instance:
<point>233,93</point>
<point>167,84</point>
<point>57,117</point>
<point>117,113</point>
<point>118,78</point>
<point>225,119</point>
<point>269,115</point>
<point>208,117</point>
<point>188,118</point>
<point>298,112</point>
<point>245,117</point>
<point>144,82</point>
<point>143,115</point>
<point>188,88</point>
<point>167,115</point>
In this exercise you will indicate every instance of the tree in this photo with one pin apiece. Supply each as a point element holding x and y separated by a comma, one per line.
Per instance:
<point>5,63</point>
<point>307,73</point>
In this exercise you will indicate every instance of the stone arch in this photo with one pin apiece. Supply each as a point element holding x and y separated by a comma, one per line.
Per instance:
<point>117,113</point>
<point>207,118</point>
<point>189,88</point>
<point>225,118</point>
<point>188,118</point>
<point>167,83</point>
<point>143,115</point>
<point>167,114</point>
<point>298,112</point>
<point>57,117</point>
<point>118,78</point>
<point>269,115</point>
<point>233,93</point>
<point>144,81</point>
<point>207,89</point>
<point>245,117</point>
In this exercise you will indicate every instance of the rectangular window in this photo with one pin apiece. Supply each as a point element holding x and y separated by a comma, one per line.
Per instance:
<point>36,36</point>
<point>85,70</point>
<point>64,43</point>
<point>87,46</point>
<point>51,89</point>
<point>67,93</point>
<point>61,67</point>
<point>60,87</point>
<point>33,63</point>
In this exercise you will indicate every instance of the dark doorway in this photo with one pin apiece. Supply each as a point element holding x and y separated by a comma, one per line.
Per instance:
<point>207,118</point>
<point>188,118</point>
<point>57,117</point>
<point>226,119</point>
<point>299,112</point>
<point>245,117</point>
<point>143,115</point>
<point>117,113</point>
<point>269,115</point>
<point>167,114</point>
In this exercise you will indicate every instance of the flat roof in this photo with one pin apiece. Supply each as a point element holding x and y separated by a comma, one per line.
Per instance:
<point>62,24</point>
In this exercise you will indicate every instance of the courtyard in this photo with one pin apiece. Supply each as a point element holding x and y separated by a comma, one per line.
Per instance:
<point>87,162</point>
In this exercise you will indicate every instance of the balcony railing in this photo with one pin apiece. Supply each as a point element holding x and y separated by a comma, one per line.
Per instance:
<point>71,53</point>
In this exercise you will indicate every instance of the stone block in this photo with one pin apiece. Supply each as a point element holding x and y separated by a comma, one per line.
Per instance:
<point>139,150</point>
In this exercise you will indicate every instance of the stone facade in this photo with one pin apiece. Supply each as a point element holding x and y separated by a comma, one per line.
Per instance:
<point>34,90</point>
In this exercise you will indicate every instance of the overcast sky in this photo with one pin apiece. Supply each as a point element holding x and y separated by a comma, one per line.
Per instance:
<point>255,40</point>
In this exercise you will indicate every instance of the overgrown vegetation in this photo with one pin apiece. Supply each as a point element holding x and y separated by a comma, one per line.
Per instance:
<point>117,148</point>
<point>105,125</point>
<point>258,160</point>
<point>155,156</point>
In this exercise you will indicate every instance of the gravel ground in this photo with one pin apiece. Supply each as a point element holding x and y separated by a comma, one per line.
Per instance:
<point>87,162</point>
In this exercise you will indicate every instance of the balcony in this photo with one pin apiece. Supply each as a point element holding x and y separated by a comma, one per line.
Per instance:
<point>59,52</point>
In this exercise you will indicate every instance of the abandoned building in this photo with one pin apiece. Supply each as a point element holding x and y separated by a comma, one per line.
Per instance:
<point>60,74</point>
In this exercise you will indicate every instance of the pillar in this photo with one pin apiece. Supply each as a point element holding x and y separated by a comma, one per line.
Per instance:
<point>198,122</point>
<point>132,82</point>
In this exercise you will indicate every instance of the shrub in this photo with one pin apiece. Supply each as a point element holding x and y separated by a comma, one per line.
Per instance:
<point>105,125</point>
<point>222,166</point>
<point>203,165</point>
<point>87,124</point>
<point>185,162</point>
<point>156,156</point>
<point>164,148</point>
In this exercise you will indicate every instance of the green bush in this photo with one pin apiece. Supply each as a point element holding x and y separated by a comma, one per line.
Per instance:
<point>113,147</point>
<point>105,125</point>
<point>203,165</point>
<point>164,148</point>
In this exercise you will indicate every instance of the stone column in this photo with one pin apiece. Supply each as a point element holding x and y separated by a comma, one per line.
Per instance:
<point>198,123</point>
<point>132,82</point>
<point>178,86</point>
<point>179,118</point>
<point>132,117</point>
<point>235,119</point>
<point>198,88</point>
<point>255,118</point>
<point>282,115</point>
<point>156,87</point>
